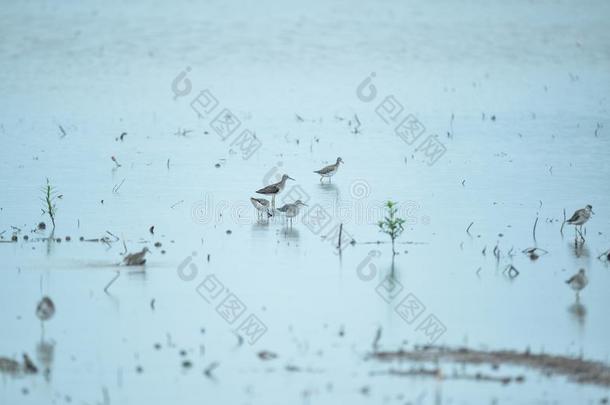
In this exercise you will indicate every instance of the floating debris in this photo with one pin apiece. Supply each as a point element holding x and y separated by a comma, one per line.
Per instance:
<point>116,162</point>
<point>576,369</point>
<point>511,271</point>
<point>45,309</point>
<point>209,369</point>
<point>28,365</point>
<point>534,253</point>
<point>267,355</point>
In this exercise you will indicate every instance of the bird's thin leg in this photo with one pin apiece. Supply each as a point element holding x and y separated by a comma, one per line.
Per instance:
<point>321,179</point>
<point>273,201</point>
<point>576,235</point>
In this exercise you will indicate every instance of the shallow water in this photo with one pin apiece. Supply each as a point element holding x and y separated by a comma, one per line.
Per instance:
<point>539,69</point>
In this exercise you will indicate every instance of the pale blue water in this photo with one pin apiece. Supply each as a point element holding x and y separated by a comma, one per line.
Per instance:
<point>100,69</point>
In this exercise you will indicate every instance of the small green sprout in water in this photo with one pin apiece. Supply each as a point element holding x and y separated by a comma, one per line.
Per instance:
<point>49,198</point>
<point>391,224</point>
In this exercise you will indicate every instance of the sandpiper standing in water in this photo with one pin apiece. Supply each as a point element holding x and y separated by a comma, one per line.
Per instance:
<point>262,207</point>
<point>579,218</point>
<point>330,170</point>
<point>136,259</point>
<point>274,189</point>
<point>291,210</point>
<point>578,281</point>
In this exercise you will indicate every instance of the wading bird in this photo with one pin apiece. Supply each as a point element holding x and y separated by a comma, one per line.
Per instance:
<point>291,210</point>
<point>579,218</point>
<point>329,171</point>
<point>578,281</point>
<point>136,259</point>
<point>274,189</point>
<point>262,207</point>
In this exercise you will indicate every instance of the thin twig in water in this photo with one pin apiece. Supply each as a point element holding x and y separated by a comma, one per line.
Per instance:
<point>564,222</point>
<point>116,188</point>
<point>113,235</point>
<point>240,340</point>
<point>468,229</point>
<point>112,281</point>
<point>210,368</point>
<point>340,234</point>
<point>176,204</point>
<point>376,340</point>
<point>64,133</point>
<point>597,128</point>
<point>534,230</point>
<point>358,124</point>
<point>497,252</point>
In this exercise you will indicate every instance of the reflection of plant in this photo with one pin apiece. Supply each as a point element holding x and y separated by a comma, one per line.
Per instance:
<point>49,197</point>
<point>391,224</point>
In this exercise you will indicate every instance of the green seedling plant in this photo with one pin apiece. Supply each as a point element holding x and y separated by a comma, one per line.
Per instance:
<point>392,225</point>
<point>49,198</point>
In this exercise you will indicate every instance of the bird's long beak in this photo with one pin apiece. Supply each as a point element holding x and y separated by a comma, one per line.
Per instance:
<point>592,212</point>
<point>305,205</point>
<point>291,178</point>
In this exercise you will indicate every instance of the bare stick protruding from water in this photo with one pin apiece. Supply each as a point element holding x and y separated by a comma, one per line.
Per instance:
<point>468,229</point>
<point>534,230</point>
<point>64,133</point>
<point>564,222</point>
<point>376,340</point>
<point>340,233</point>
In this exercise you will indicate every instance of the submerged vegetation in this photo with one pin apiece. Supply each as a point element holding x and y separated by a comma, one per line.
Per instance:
<point>48,199</point>
<point>391,224</point>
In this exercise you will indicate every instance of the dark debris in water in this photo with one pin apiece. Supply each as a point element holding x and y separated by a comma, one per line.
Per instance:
<point>45,309</point>
<point>575,369</point>
<point>267,355</point>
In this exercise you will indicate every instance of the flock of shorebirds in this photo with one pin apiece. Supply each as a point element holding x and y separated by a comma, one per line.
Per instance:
<point>266,209</point>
